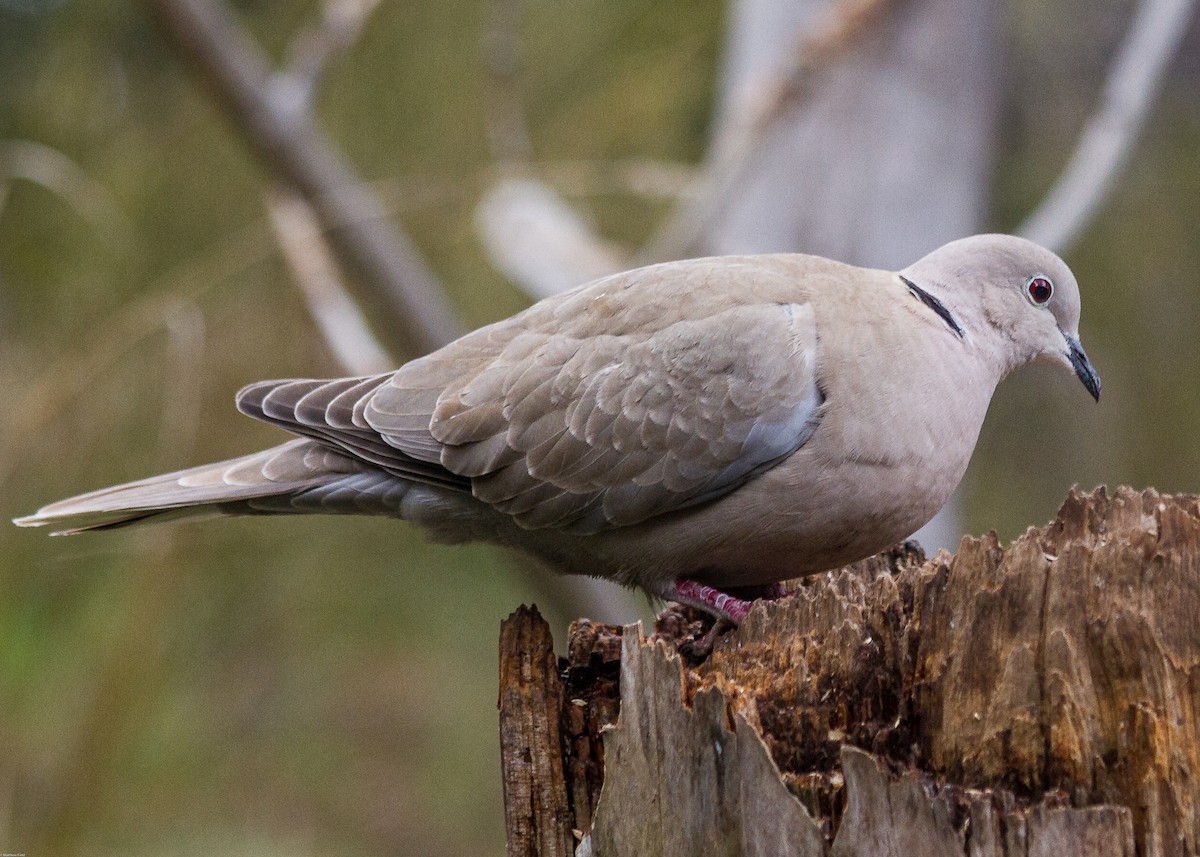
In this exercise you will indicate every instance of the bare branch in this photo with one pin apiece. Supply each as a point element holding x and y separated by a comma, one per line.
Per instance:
<point>290,144</point>
<point>641,177</point>
<point>508,133</point>
<point>539,242</point>
<point>50,168</point>
<point>739,140</point>
<point>338,319</point>
<point>1109,136</point>
<point>645,178</point>
<point>315,48</point>
<point>532,235</point>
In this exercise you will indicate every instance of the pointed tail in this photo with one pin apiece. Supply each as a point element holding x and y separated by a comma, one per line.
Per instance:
<point>267,481</point>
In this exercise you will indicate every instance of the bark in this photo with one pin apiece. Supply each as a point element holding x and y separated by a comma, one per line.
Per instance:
<point>1039,698</point>
<point>535,805</point>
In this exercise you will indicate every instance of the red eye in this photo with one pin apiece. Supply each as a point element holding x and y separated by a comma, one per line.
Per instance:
<point>1039,290</point>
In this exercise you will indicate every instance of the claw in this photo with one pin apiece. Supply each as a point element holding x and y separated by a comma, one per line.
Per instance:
<point>702,646</point>
<point>728,609</point>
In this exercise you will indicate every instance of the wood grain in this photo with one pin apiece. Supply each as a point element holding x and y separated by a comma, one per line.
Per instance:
<point>535,794</point>
<point>1037,699</point>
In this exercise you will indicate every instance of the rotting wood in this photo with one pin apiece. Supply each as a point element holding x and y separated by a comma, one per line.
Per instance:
<point>535,793</point>
<point>1039,699</point>
<point>683,779</point>
<point>592,698</point>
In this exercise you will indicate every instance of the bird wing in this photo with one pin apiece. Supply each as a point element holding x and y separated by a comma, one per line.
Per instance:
<point>632,397</point>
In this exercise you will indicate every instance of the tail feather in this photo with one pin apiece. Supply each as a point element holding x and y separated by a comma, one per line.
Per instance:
<point>293,469</point>
<point>332,412</point>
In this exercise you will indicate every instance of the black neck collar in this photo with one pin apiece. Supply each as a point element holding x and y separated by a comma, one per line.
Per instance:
<point>935,305</point>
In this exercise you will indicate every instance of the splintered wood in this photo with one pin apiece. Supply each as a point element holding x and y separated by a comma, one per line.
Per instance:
<point>535,805</point>
<point>1039,699</point>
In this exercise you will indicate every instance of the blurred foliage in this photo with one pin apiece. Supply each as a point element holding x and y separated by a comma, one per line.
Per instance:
<point>314,685</point>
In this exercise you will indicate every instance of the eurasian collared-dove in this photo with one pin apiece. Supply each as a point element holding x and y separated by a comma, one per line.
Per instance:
<point>691,428</point>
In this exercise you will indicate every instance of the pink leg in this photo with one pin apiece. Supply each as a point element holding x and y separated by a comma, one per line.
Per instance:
<point>713,601</point>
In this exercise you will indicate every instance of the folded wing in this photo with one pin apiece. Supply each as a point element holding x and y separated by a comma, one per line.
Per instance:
<point>629,398</point>
<point>587,412</point>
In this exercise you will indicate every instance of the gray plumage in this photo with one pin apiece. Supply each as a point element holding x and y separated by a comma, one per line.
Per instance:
<point>733,421</point>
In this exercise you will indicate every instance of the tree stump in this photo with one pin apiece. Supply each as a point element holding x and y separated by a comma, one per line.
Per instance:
<point>1038,699</point>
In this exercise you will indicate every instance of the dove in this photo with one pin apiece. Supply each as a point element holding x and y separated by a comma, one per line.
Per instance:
<point>701,429</point>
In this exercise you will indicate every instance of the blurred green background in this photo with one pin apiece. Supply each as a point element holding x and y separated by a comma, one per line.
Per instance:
<point>320,685</point>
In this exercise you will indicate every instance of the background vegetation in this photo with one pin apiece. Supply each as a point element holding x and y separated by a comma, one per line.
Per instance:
<point>328,685</point>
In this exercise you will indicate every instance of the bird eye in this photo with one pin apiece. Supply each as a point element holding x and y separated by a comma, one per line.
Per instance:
<point>1039,290</point>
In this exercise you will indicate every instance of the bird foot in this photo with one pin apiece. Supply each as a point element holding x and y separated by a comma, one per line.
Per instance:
<point>701,647</point>
<point>726,607</point>
<point>716,603</point>
<point>731,605</point>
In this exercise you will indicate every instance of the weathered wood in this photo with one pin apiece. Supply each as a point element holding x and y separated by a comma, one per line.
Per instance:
<point>905,816</point>
<point>1071,661</point>
<point>592,701</point>
<point>1039,699</point>
<point>682,780</point>
<point>531,699</point>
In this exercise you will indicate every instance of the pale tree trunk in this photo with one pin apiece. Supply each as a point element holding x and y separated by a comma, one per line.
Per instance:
<point>884,154</point>
<point>881,155</point>
<point>1038,699</point>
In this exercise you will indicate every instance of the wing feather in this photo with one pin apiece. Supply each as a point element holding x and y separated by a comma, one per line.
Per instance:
<point>632,397</point>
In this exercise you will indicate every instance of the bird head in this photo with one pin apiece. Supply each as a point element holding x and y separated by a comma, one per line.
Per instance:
<point>1014,294</point>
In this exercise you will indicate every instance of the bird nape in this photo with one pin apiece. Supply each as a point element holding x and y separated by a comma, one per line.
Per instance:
<point>689,428</point>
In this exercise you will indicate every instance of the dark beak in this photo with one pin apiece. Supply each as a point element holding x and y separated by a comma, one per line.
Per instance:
<point>1083,367</point>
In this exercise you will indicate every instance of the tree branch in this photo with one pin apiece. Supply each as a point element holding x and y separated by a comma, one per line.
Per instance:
<point>337,317</point>
<point>311,52</point>
<point>538,241</point>
<point>642,177</point>
<point>1109,136</point>
<point>740,140</point>
<point>508,133</point>
<point>531,234</point>
<point>394,277</point>
<point>38,163</point>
